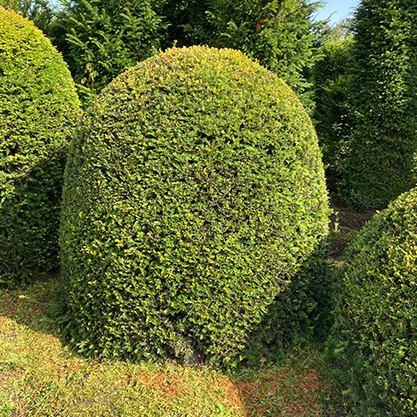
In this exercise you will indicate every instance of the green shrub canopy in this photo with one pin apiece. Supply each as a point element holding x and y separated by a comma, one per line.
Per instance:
<point>375,334</point>
<point>281,35</point>
<point>194,191</point>
<point>379,163</point>
<point>100,38</point>
<point>38,109</point>
<point>332,112</point>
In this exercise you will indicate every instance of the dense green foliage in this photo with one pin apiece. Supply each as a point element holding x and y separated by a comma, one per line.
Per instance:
<point>332,112</point>
<point>194,199</point>
<point>375,335</point>
<point>278,33</point>
<point>380,163</point>
<point>38,110</point>
<point>100,38</point>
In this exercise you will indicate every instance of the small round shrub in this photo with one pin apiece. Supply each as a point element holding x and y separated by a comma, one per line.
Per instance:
<point>39,108</point>
<point>374,338</point>
<point>194,193</point>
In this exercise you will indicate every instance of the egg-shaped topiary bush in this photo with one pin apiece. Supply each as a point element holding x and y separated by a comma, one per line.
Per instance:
<point>374,340</point>
<point>38,111</point>
<point>194,191</point>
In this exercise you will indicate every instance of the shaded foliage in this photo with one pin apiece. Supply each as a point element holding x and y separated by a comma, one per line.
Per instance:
<point>380,163</point>
<point>100,38</point>
<point>280,34</point>
<point>332,97</point>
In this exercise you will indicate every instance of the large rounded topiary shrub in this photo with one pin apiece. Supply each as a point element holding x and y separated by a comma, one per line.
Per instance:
<point>38,109</point>
<point>375,333</point>
<point>194,192</point>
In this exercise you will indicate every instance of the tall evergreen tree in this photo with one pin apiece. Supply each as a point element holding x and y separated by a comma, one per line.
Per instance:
<point>381,160</point>
<point>280,34</point>
<point>332,110</point>
<point>100,38</point>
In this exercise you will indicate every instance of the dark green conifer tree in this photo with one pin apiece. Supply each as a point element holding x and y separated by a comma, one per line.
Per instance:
<point>332,111</point>
<point>100,38</point>
<point>381,159</point>
<point>280,34</point>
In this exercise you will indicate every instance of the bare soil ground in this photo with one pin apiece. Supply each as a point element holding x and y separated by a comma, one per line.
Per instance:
<point>344,225</point>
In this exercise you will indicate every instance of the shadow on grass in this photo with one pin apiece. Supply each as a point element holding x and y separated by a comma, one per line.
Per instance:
<point>33,305</point>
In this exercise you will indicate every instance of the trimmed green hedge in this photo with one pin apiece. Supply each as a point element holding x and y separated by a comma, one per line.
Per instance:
<point>374,339</point>
<point>379,160</point>
<point>194,193</point>
<point>38,108</point>
<point>332,113</point>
